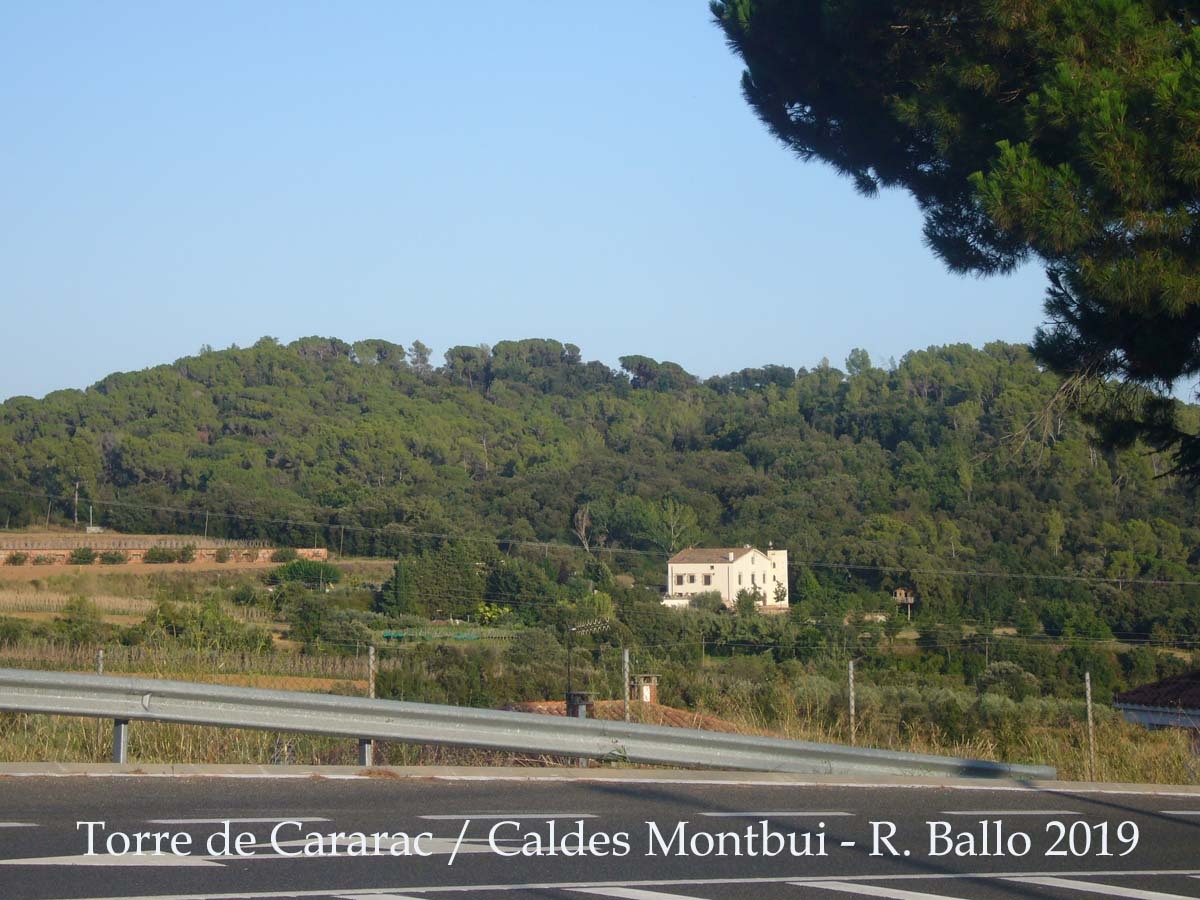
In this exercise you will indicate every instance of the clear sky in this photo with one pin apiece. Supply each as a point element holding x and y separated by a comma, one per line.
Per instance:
<point>177,174</point>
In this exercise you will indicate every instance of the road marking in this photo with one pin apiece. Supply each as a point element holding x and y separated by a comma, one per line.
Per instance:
<point>800,880</point>
<point>375,897</point>
<point>104,859</point>
<point>870,890</point>
<point>632,894</point>
<point>455,817</point>
<point>263,821</point>
<point>18,825</point>
<point>774,815</point>
<point>1010,812</point>
<point>1093,887</point>
<point>1180,812</point>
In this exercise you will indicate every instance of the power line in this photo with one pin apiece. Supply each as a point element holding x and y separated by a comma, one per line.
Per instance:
<point>793,564</point>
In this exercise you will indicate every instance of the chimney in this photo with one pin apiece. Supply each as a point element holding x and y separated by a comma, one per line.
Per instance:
<point>730,555</point>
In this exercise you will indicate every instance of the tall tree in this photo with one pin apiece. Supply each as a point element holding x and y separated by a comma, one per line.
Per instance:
<point>1064,130</point>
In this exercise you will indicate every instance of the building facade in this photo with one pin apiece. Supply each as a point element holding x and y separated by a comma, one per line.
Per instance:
<point>728,570</point>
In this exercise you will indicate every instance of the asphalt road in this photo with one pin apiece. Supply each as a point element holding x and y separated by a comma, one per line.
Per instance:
<point>633,835</point>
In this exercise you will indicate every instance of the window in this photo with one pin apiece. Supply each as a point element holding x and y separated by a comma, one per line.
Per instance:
<point>752,578</point>
<point>678,580</point>
<point>739,577</point>
<point>707,580</point>
<point>691,579</point>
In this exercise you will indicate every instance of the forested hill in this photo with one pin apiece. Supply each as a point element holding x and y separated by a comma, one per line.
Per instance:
<point>928,468</point>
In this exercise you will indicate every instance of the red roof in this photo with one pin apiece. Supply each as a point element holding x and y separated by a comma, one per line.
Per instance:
<point>709,554</point>
<point>1179,691</point>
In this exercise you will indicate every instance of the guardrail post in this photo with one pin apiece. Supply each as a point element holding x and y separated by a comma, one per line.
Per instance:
<point>120,740</point>
<point>366,752</point>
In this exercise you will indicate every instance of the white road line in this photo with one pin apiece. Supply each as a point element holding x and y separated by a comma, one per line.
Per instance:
<point>774,815</point>
<point>749,882</point>
<point>1093,887</point>
<point>620,893</point>
<point>105,859</point>
<point>262,821</point>
<point>458,817</point>
<point>1011,812</point>
<point>1180,812</point>
<point>870,890</point>
<point>375,897</point>
<point>18,825</point>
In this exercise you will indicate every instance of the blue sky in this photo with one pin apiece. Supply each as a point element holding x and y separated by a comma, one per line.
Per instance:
<point>175,175</point>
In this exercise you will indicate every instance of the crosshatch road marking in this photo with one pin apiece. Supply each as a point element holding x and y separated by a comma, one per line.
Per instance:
<point>1011,813</point>
<point>870,890</point>
<point>1093,887</point>
<point>633,894</point>
<point>269,820</point>
<point>775,815</point>
<point>458,817</point>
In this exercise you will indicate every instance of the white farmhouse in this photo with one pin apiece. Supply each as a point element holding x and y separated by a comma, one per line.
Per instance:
<point>727,570</point>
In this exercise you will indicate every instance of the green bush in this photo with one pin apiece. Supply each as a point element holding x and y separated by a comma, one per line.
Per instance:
<point>309,571</point>
<point>222,555</point>
<point>113,558</point>
<point>283,555</point>
<point>43,560</point>
<point>82,556</point>
<point>186,553</point>
<point>16,559</point>
<point>160,555</point>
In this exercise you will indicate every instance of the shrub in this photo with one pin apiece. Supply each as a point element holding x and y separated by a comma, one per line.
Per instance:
<point>309,571</point>
<point>222,555</point>
<point>82,556</point>
<point>283,555</point>
<point>159,555</point>
<point>113,558</point>
<point>186,553</point>
<point>16,559</point>
<point>43,560</point>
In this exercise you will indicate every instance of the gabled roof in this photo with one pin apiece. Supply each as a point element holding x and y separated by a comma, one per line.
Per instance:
<point>1178,691</point>
<point>709,554</point>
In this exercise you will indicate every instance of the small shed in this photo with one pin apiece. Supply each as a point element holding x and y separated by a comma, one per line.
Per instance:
<point>1171,703</point>
<point>644,688</point>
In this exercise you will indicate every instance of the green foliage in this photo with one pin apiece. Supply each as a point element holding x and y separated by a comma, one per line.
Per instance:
<point>201,626</point>
<point>900,474</point>
<point>43,560</point>
<point>283,555</point>
<point>82,556</point>
<point>113,558</point>
<point>707,601</point>
<point>160,555</point>
<point>1060,130</point>
<point>186,553</point>
<point>16,559</point>
<point>310,572</point>
<point>222,555</point>
<point>81,622</point>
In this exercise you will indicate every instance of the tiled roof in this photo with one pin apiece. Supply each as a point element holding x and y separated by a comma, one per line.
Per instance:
<point>1178,691</point>
<point>708,554</point>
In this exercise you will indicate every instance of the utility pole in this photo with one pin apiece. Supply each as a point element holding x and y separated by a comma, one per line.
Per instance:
<point>76,504</point>
<point>48,505</point>
<point>853,723</point>
<point>1087,683</point>
<point>625,676</point>
<point>206,525</point>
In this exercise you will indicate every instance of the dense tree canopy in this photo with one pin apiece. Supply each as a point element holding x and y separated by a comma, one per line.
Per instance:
<point>1064,130</point>
<point>880,478</point>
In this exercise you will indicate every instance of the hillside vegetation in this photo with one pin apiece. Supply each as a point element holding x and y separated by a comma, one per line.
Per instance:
<point>955,460</point>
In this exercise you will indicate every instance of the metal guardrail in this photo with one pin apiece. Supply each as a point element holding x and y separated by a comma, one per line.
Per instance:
<point>127,699</point>
<point>1159,716</point>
